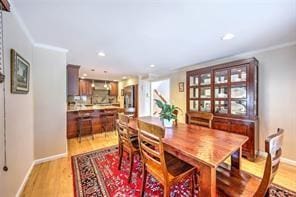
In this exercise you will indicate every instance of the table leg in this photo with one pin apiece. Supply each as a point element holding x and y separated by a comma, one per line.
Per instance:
<point>207,181</point>
<point>236,159</point>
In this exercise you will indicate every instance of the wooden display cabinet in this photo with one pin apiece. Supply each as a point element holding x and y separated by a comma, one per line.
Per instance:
<point>230,92</point>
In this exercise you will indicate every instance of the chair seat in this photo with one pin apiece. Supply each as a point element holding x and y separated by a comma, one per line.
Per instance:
<point>175,167</point>
<point>235,182</point>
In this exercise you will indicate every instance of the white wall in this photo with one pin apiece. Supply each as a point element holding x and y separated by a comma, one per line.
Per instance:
<point>49,102</point>
<point>19,110</point>
<point>277,95</point>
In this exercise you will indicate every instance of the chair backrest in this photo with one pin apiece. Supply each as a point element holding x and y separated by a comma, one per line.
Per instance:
<point>175,112</point>
<point>200,118</point>
<point>151,146</point>
<point>273,147</point>
<point>123,130</point>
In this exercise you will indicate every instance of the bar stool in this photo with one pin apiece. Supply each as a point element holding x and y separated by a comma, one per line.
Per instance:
<point>109,120</point>
<point>84,118</point>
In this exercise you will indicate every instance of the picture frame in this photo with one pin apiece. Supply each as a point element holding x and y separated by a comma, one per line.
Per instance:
<point>181,86</point>
<point>20,73</point>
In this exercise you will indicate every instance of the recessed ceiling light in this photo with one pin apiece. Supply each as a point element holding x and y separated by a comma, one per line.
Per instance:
<point>228,36</point>
<point>102,54</point>
<point>124,77</point>
<point>152,65</point>
<point>85,75</point>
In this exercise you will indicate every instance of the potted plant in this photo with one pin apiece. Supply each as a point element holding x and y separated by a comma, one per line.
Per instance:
<point>167,112</point>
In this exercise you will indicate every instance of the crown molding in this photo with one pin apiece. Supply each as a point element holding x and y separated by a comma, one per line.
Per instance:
<point>45,46</point>
<point>23,26</point>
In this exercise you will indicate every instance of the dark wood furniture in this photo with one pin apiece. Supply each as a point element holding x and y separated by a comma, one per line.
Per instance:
<point>201,118</point>
<point>72,80</point>
<point>126,142</point>
<point>5,5</point>
<point>232,182</point>
<point>109,121</point>
<point>202,147</point>
<point>230,92</point>
<point>97,119</point>
<point>84,118</point>
<point>166,168</point>
<point>85,88</point>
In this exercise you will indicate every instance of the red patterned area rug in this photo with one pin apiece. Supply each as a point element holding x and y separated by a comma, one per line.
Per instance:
<point>96,174</point>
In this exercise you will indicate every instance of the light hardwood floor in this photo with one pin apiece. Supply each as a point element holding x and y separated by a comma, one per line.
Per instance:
<point>54,178</point>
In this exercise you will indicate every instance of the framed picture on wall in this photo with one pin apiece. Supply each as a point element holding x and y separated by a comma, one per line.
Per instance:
<point>20,73</point>
<point>181,86</point>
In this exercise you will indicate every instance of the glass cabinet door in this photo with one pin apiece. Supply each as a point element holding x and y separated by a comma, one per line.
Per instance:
<point>193,92</point>
<point>221,76</point>
<point>221,92</point>
<point>239,74</point>
<point>239,107</point>
<point>238,92</point>
<point>205,92</point>
<point>205,105</point>
<point>205,79</point>
<point>193,80</point>
<point>221,107</point>
<point>193,105</point>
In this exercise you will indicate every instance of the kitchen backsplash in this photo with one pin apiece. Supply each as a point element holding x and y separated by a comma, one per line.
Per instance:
<point>98,97</point>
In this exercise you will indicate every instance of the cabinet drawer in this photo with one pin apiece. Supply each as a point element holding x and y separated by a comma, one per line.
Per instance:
<point>221,124</point>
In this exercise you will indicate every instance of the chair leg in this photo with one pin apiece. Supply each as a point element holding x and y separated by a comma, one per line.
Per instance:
<point>92,131</point>
<point>193,184</point>
<point>166,190</point>
<point>131,167</point>
<point>120,156</point>
<point>144,177</point>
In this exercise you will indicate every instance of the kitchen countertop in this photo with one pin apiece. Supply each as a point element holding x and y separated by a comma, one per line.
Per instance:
<point>95,107</point>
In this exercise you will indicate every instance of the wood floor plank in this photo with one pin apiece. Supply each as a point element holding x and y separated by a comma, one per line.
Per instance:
<point>54,178</point>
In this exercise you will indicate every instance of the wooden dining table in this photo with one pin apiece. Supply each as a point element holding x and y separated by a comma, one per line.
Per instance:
<point>202,147</point>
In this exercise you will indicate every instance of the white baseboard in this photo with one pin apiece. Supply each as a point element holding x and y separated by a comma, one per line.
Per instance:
<point>35,162</point>
<point>50,158</point>
<point>21,188</point>
<point>283,160</point>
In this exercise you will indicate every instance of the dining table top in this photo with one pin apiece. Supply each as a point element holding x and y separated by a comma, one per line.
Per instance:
<point>200,144</point>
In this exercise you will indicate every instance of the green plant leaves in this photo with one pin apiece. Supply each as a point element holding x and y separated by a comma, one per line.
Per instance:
<point>166,110</point>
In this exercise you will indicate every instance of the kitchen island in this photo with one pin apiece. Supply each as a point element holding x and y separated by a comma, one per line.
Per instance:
<point>97,112</point>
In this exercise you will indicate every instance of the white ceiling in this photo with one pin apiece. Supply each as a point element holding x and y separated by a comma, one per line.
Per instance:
<point>168,33</point>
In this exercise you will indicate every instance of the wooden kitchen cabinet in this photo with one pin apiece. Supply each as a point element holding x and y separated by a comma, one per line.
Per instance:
<point>85,88</point>
<point>72,80</point>
<point>114,89</point>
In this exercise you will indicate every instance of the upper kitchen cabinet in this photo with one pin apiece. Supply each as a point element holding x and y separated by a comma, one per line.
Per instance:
<point>72,80</point>
<point>85,87</point>
<point>114,89</point>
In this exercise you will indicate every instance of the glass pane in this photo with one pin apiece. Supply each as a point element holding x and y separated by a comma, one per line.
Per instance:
<point>193,105</point>
<point>221,92</point>
<point>193,80</point>
<point>205,92</point>
<point>193,92</point>
<point>221,76</point>
<point>221,107</point>
<point>239,107</point>
<point>238,92</point>
<point>205,79</point>
<point>205,106</point>
<point>238,74</point>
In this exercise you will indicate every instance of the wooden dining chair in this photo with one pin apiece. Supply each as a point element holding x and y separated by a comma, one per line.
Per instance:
<point>126,142</point>
<point>166,168</point>
<point>200,118</point>
<point>238,183</point>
